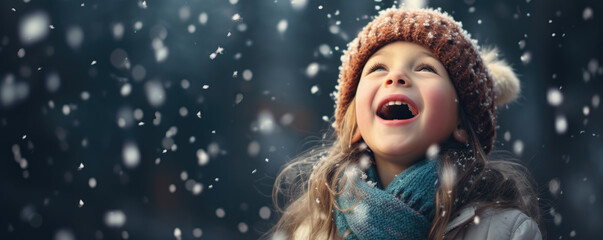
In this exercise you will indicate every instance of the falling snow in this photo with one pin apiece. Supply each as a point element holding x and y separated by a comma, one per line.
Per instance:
<point>203,18</point>
<point>236,17</point>
<point>202,157</point>
<point>131,155</point>
<point>75,37</point>
<point>177,233</point>
<point>448,176</point>
<point>560,124</point>
<point>299,4</point>
<point>155,93</point>
<point>220,213</point>
<point>433,151</point>
<point>197,232</point>
<point>312,69</point>
<point>595,101</point>
<point>115,218</point>
<point>554,186</point>
<point>518,147</point>
<point>526,57</point>
<point>314,89</point>
<point>64,234</point>
<point>34,27</point>
<point>92,182</point>
<point>587,14</point>
<point>265,213</point>
<point>554,97</point>
<point>243,228</point>
<point>247,75</point>
<point>187,102</point>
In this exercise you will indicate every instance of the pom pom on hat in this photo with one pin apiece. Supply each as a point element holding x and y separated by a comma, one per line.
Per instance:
<point>506,83</point>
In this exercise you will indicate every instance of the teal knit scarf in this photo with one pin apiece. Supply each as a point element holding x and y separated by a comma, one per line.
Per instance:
<point>404,210</point>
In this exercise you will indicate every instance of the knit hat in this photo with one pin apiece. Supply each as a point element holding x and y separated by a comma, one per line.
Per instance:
<point>480,80</point>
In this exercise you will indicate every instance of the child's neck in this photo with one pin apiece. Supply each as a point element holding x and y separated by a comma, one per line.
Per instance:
<point>389,168</point>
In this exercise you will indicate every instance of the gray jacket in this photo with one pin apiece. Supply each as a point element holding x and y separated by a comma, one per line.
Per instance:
<point>492,224</point>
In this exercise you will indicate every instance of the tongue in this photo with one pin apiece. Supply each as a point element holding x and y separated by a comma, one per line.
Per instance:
<point>395,112</point>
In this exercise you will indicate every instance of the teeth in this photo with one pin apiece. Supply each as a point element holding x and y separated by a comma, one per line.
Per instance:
<point>394,103</point>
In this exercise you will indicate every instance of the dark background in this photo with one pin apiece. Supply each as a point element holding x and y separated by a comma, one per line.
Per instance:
<point>64,101</point>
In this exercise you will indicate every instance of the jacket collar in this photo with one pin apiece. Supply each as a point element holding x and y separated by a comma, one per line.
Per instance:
<point>463,216</point>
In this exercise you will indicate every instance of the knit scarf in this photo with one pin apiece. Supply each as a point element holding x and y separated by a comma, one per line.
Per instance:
<point>403,210</point>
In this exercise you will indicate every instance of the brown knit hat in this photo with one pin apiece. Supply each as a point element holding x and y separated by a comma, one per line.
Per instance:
<point>480,80</point>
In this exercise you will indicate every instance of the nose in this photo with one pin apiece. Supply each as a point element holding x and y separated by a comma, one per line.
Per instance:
<point>399,81</point>
<point>397,78</point>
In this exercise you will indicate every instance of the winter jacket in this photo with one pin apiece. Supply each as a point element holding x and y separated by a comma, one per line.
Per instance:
<point>508,224</point>
<point>491,224</point>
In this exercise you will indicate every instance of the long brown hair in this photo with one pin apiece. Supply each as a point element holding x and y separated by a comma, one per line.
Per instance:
<point>309,183</point>
<point>494,181</point>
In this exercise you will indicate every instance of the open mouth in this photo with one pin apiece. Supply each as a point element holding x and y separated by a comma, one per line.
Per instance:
<point>397,108</point>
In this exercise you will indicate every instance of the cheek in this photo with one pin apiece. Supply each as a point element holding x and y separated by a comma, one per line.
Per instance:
<point>442,108</point>
<point>364,100</point>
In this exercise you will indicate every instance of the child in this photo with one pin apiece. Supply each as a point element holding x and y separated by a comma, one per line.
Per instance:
<point>414,122</point>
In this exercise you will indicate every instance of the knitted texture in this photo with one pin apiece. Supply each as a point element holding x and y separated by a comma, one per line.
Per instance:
<point>449,43</point>
<point>404,210</point>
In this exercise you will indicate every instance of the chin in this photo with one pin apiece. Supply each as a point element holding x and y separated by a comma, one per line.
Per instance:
<point>394,149</point>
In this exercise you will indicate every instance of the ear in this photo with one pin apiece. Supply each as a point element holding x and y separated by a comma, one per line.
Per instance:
<point>460,135</point>
<point>357,136</point>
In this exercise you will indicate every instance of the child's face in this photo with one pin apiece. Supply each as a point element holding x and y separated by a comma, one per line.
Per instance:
<point>404,74</point>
